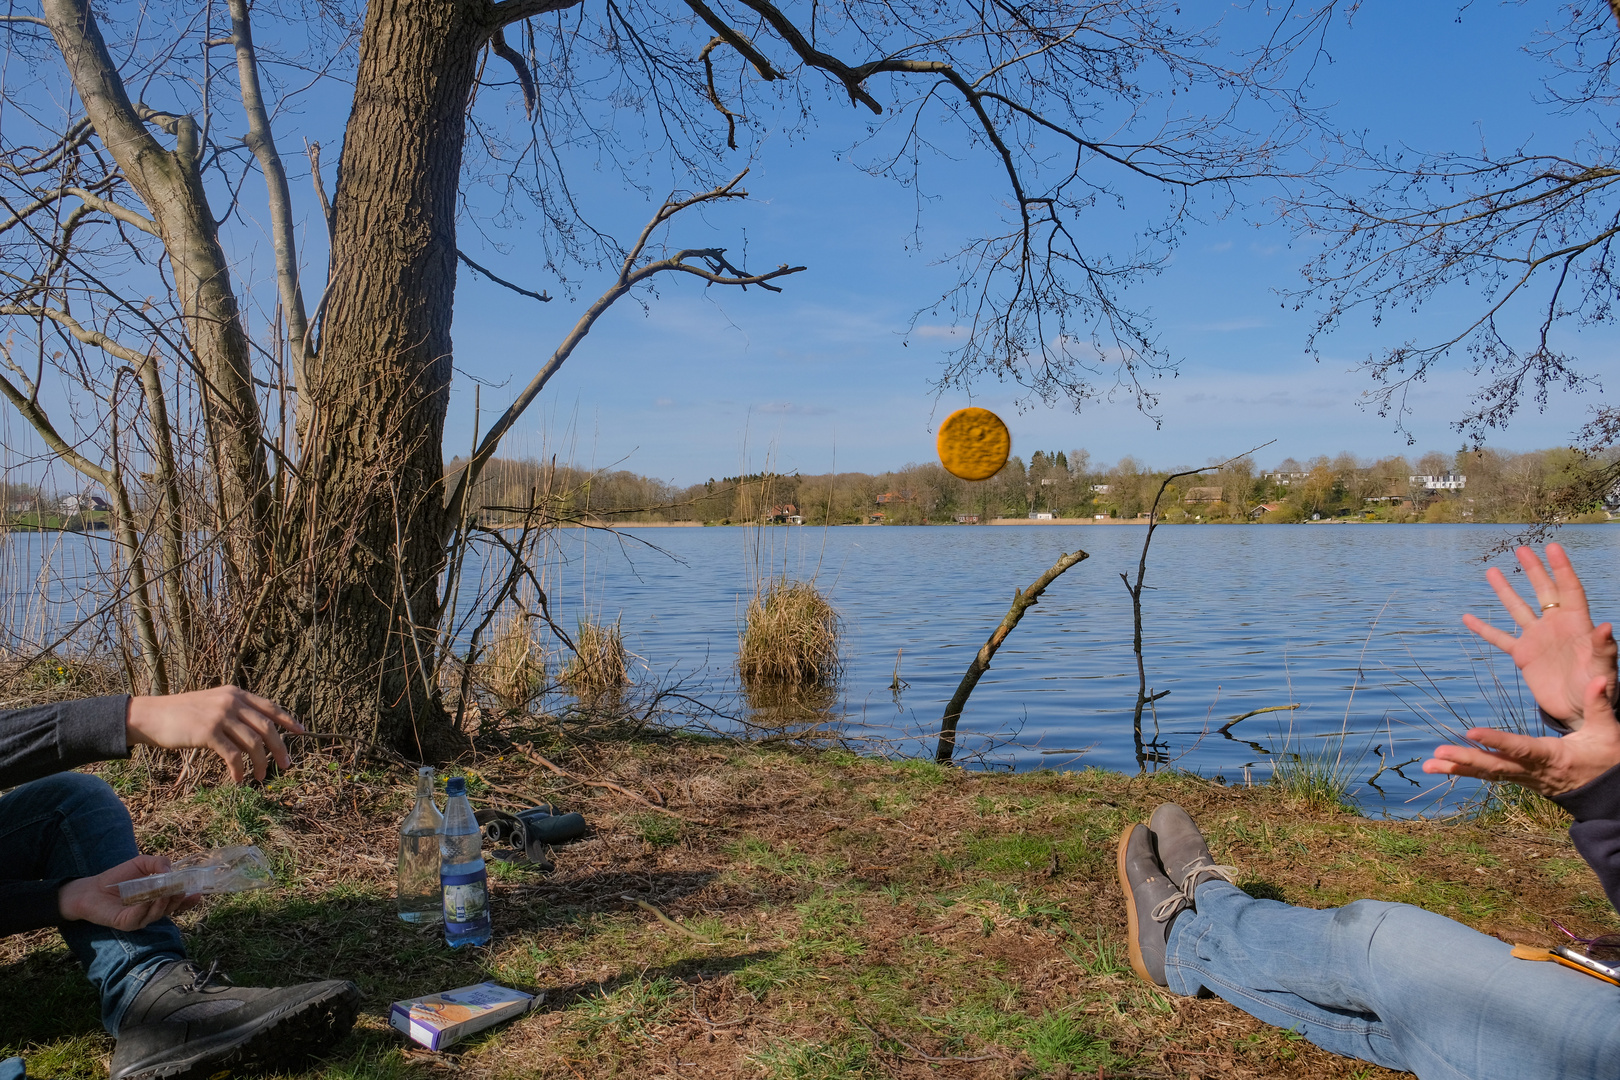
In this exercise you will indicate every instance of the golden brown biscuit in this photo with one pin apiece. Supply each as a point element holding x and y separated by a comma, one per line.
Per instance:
<point>973,443</point>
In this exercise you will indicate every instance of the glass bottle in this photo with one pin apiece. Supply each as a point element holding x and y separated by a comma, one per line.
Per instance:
<point>461,870</point>
<point>418,881</point>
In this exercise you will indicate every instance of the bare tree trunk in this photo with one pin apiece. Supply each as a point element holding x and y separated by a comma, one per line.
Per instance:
<point>177,605</point>
<point>368,519</point>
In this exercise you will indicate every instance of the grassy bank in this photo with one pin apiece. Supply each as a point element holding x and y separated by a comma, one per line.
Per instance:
<point>831,916</point>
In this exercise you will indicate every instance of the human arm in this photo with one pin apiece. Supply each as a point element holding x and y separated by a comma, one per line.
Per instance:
<point>94,899</point>
<point>225,719</point>
<point>1579,771</point>
<point>1558,650</point>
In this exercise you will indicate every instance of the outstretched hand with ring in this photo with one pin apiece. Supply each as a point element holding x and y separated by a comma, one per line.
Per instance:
<point>1548,765</point>
<point>1558,651</point>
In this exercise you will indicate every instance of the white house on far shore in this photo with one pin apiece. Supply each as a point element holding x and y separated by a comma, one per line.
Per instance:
<point>1443,482</point>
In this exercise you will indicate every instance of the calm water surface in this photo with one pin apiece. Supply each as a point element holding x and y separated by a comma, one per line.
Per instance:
<point>1358,624</point>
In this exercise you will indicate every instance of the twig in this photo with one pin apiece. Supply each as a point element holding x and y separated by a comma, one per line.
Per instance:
<point>1224,728</point>
<point>665,919</point>
<point>1143,698</point>
<point>529,752</point>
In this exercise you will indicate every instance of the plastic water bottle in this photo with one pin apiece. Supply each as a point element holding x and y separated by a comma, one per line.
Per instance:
<point>418,893</point>
<point>461,870</point>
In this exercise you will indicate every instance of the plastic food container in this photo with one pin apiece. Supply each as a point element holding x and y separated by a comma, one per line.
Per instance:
<point>223,870</point>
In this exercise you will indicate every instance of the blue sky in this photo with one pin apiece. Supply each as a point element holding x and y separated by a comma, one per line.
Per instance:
<point>705,382</point>
<point>698,382</point>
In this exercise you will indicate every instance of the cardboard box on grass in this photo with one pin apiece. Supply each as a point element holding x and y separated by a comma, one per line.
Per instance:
<point>438,1020</point>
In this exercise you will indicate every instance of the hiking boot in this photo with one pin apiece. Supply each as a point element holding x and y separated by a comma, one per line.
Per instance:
<point>190,1021</point>
<point>1151,903</point>
<point>1183,853</point>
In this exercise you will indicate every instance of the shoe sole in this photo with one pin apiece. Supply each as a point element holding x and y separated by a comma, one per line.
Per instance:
<point>1133,932</point>
<point>278,1042</point>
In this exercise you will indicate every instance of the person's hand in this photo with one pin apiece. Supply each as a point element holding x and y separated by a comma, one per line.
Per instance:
<point>229,721</point>
<point>1560,650</point>
<point>95,899</point>
<point>1548,765</point>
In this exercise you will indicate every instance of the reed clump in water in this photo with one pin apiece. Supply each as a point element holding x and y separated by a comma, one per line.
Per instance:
<point>514,665</point>
<point>599,662</point>
<point>790,635</point>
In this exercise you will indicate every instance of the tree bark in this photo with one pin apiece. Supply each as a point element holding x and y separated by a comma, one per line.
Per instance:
<point>366,529</point>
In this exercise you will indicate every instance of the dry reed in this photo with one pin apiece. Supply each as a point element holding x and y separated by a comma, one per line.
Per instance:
<point>599,663</point>
<point>790,636</point>
<point>514,665</point>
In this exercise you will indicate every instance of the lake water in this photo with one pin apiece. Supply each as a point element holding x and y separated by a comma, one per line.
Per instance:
<point>1358,624</point>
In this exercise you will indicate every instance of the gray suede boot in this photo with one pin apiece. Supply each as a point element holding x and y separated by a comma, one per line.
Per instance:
<point>190,1021</point>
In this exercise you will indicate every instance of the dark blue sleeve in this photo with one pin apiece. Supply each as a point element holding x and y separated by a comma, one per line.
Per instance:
<point>41,740</point>
<point>45,739</point>
<point>1596,831</point>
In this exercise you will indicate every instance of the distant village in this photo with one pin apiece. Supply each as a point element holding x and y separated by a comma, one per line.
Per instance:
<point>1484,485</point>
<point>36,508</point>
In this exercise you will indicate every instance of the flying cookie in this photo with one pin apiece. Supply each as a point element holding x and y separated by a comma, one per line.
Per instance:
<point>973,443</point>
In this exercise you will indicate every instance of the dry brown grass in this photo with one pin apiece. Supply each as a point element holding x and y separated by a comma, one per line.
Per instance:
<point>514,665</point>
<point>790,635</point>
<point>599,664</point>
<point>837,908</point>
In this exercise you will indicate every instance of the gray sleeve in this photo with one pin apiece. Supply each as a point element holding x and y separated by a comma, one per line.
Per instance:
<point>45,739</point>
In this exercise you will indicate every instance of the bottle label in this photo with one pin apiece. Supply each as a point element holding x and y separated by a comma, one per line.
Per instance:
<point>466,897</point>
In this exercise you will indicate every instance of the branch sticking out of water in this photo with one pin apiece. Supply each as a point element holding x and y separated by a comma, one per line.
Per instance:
<point>1022,602</point>
<point>1224,728</point>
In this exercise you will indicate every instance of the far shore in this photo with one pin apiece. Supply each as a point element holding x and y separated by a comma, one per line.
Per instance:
<point>599,523</point>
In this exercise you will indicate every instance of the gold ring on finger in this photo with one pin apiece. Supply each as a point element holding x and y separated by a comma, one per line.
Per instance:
<point>1554,604</point>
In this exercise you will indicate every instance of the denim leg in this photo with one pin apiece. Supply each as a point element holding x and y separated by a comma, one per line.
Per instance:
<point>1398,986</point>
<point>74,825</point>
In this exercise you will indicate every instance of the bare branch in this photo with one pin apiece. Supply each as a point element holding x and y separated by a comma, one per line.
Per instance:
<point>313,149</point>
<point>736,39</point>
<point>113,210</point>
<point>510,11</point>
<point>719,272</point>
<point>72,326</point>
<point>261,141</point>
<point>519,65</point>
<point>542,297</point>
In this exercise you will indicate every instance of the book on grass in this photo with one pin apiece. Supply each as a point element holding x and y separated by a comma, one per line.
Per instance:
<point>438,1020</point>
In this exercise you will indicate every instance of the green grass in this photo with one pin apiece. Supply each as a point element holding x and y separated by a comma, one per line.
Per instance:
<point>935,938</point>
<point>1320,777</point>
<point>796,1059</point>
<point>659,830</point>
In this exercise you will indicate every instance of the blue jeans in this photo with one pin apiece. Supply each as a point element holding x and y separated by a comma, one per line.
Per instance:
<point>73,825</point>
<point>1398,986</point>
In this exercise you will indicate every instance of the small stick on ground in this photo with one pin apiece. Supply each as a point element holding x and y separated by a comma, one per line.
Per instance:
<point>1022,602</point>
<point>665,919</point>
<point>529,752</point>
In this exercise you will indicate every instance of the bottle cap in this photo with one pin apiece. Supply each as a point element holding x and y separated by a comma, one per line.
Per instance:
<point>456,785</point>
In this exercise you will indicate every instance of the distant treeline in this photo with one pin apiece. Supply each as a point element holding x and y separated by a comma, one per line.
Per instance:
<point>1483,485</point>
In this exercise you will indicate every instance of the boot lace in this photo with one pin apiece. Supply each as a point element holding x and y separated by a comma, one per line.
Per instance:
<point>203,978</point>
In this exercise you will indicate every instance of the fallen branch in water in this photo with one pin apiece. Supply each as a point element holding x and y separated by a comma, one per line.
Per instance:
<point>1022,602</point>
<point>1224,728</point>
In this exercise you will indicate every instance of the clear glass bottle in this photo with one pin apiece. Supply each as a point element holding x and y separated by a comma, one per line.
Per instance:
<point>418,893</point>
<point>461,870</point>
